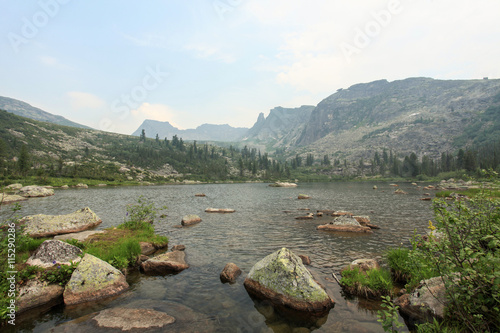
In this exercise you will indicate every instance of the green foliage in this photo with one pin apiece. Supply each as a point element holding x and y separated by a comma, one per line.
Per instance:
<point>141,215</point>
<point>389,315</point>
<point>466,253</point>
<point>120,254</point>
<point>437,327</point>
<point>60,274</point>
<point>372,283</point>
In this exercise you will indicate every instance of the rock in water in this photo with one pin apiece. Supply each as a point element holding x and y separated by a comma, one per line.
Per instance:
<point>93,279</point>
<point>345,223</point>
<point>40,225</point>
<point>190,220</point>
<point>53,252</point>
<point>230,273</point>
<point>34,191</point>
<point>126,319</point>
<point>170,262</point>
<point>282,279</point>
<point>36,293</point>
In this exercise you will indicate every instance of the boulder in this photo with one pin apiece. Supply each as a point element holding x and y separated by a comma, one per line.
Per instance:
<point>230,273</point>
<point>375,187</point>
<point>190,220</point>
<point>40,225</point>
<point>147,248</point>
<point>82,186</point>
<point>64,187</point>
<point>283,184</point>
<point>55,252</point>
<point>7,199</point>
<point>92,280</point>
<point>425,302</point>
<point>170,262</point>
<point>303,196</point>
<point>79,236</point>
<point>179,247</point>
<point>36,293</point>
<point>345,223</point>
<point>305,259</point>
<point>219,210</point>
<point>34,191</point>
<point>282,279</point>
<point>126,319</point>
<point>13,187</point>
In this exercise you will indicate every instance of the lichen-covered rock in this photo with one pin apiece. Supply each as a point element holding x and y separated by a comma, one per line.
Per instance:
<point>230,273</point>
<point>93,279</point>
<point>282,279</point>
<point>425,302</point>
<point>52,252</point>
<point>190,220</point>
<point>36,293</point>
<point>345,223</point>
<point>13,187</point>
<point>7,199</point>
<point>82,185</point>
<point>79,236</point>
<point>127,319</point>
<point>33,191</point>
<point>170,262</point>
<point>283,184</point>
<point>40,225</point>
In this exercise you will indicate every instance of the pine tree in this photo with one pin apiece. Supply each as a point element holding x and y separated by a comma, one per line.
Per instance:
<point>24,160</point>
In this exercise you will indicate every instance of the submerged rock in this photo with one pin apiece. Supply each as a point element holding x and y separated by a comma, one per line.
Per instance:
<point>171,262</point>
<point>282,279</point>
<point>126,319</point>
<point>230,273</point>
<point>55,252</point>
<point>179,247</point>
<point>345,223</point>
<point>190,220</point>
<point>34,191</point>
<point>40,225</point>
<point>93,279</point>
<point>305,259</point>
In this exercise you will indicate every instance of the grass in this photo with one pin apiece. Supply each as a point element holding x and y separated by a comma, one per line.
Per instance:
<point>470,192</point>
<point>373,283</point>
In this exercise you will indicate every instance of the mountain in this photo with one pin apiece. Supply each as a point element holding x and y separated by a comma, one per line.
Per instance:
<point>419,115</point>
<point>25,110</point>
<point>205,132</point>
<point>281,128</point>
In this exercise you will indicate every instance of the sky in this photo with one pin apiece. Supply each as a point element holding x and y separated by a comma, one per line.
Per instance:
<point>111,64</point>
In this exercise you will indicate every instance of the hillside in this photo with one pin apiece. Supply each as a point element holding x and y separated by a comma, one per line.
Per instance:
<point>420,115</point>
<point>23,109</point>
<point>205,132</point>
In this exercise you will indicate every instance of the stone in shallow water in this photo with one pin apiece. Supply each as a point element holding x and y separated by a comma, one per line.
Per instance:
<point>170,262</point>
<point>282,279</point>
<point>36,293</point>
<point>127,319</point>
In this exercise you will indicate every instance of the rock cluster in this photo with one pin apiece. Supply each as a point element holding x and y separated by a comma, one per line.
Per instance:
<point>345,223</point>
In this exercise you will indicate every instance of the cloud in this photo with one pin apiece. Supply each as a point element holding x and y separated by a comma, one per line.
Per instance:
<point>159,112</point>
<point>82,100</point>
<point>211,52</point>
<point>53,62</point>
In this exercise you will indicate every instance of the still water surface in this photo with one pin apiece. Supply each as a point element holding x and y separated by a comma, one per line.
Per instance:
<point>264,222</point>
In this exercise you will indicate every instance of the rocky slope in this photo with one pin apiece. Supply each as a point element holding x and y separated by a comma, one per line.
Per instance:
<point>205,132</point>
<point>25,110</point>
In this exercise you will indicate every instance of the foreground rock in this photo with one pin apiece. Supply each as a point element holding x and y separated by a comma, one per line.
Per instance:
<point>230,273</point>
<point>34,191</point>
<point>280,184</point>
<point>219,210</point>
<point>190,220</point>
<point>425,302</point>
<point>36,293</point>
<point>40,225</point>
<point>282,279</point>
<point>79,236</point>
<point>93,279</point>
<point>171,262</point>
<point>7,199</point>
<point>345,223</point>
<point>127,319</point>
<point>55,252</point>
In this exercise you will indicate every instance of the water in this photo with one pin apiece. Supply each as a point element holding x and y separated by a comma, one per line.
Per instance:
<point>264,222</point>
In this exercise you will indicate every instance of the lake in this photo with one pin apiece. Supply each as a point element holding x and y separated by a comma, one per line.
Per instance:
<point>264,222</point>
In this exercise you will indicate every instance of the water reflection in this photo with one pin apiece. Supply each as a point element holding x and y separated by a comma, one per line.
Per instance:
<point>259,227</point>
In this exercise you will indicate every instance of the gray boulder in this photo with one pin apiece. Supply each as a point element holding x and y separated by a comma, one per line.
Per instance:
<point>37,293</point>
<point>10,198</point>
<point>93,279</point>
<point>282,279</point>
<point>41,225</point>
<point>55,252</point>
<point>33,191</point>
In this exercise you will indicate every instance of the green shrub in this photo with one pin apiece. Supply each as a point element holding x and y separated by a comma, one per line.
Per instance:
<point>371,284</point>
<point>119,254</point>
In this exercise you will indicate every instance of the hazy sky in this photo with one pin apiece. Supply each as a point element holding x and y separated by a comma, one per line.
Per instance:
<point>111,64</point>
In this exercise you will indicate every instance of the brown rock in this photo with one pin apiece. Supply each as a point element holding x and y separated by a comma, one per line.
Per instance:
<point>171,262</point>
<point>400,191</point>
<point>303,196</point>
<point>147,248</point>
<point>230,273</point>
<point>190,220</point>
<point>363,220</point>
<point>305,259</point>
<point>344,228</point>
<point>179,247</point>
<point>126,319</point>
<point>219,210</point>
<point>36,293</point>
<point>309,216</point>
<point>319,214</point>
<point>200,195</point>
